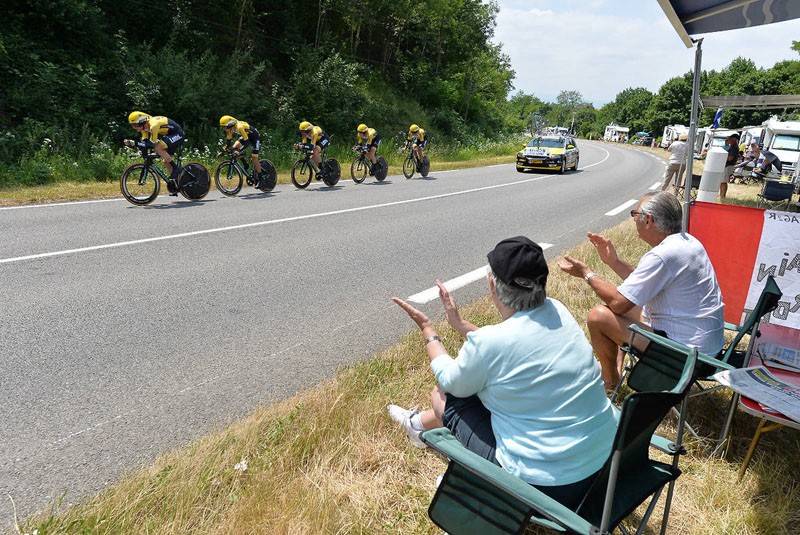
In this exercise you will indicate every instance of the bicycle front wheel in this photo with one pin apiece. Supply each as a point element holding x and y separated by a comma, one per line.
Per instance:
<point>301,174</point>
<point>358,170</point>
<point>409,166</point>
<point>228,178</point>
<point>270,179</point>
<point>195,181</point>
<point>139,184</point>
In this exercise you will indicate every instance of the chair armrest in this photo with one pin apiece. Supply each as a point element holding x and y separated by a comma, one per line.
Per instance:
<point>732,327</point>
<point>665,445</point>
<point>555,515</point>
<point>702,357</point>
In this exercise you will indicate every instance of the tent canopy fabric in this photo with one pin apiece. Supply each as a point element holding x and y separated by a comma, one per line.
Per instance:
<point>694,17</point>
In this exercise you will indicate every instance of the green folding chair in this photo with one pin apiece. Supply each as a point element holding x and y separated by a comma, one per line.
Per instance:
<point>478,497</point>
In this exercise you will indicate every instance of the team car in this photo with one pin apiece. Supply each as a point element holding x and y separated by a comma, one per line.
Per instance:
<point>549,152</point>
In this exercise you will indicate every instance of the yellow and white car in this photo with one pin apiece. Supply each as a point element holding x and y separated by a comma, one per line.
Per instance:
<point>549,152</point>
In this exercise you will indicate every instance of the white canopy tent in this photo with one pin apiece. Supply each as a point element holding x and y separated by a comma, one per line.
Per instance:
<point>695,17</point>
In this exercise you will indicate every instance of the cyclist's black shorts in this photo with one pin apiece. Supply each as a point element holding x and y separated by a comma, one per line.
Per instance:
<point>376,142</point>
<point>254,139</point>
<point>324,141</point>
<point>420,142</point>
<point>173,141</point>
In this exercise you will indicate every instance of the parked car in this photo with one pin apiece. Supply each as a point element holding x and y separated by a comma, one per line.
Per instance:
<point>549,153</point>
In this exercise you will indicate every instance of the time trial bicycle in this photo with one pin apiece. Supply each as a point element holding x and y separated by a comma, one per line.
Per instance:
<point>304,168</point>
<point>140,183</point>
<point>413,163</point>
<point>230,174</point>
<point>362,166</point>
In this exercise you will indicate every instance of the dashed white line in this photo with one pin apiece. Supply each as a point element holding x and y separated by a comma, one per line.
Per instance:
<point>655,186</point>
<point>622,207</point>
<point>432,293</point>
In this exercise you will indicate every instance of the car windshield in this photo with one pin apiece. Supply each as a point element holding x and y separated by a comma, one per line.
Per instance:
<point>553,143</point>
<point>785,142</point>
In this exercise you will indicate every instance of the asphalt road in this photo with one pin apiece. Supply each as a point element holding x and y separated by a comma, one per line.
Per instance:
<point>127,331</point>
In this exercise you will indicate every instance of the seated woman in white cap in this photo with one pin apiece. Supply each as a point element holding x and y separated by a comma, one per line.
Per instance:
<point>525,393</point>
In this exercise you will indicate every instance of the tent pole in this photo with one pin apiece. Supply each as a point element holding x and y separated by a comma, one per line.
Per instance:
<point>687,191</point>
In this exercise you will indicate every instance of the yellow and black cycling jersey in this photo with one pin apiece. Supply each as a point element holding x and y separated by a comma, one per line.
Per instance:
<point>160,129</point>
<point>372,137</point>
<point>243,129</point>
<point>316,137</point>
<point>418,137</point>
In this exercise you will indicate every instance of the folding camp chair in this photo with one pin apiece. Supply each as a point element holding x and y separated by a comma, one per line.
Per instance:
<point>730,357</point>
<point>679,189</point>
<point>478,497</point>
<point>775,194</point>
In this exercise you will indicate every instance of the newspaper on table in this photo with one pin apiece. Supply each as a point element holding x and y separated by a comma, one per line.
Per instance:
<point>787,358</point>
<point>761,386</point>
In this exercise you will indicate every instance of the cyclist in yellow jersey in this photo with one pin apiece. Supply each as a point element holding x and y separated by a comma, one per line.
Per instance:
<point>370,138</point>
<point>248,136</point>
<point>313,136</point>
<point>416,135</point>
<point>161,134</point>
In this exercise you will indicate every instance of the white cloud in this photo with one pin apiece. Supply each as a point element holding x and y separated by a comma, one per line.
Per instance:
<point>600,48</point>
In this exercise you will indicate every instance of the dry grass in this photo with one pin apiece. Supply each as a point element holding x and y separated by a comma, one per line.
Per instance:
<point>329,460</point>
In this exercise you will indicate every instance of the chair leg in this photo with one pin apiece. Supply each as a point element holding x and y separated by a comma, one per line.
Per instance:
<point>724,435</point>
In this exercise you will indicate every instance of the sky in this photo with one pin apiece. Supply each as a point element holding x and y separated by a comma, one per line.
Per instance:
<point>602,47</point>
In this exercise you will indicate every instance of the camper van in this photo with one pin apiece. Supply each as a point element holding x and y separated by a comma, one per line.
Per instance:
<point>707,138</point>
<point>671,133</point>
<point>782,138</point>
<point>615,133</point>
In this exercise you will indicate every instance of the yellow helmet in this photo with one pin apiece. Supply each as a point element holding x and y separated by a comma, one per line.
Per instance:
<point>413,128</point>
<point>305,125</point>
<point>138,117</point>
<point>362,127</point>
<point>227,121</point>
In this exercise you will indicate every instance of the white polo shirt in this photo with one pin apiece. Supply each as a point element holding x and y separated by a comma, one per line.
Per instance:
<point>676,286</point>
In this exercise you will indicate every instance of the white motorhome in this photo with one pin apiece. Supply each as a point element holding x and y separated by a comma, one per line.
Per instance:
<point>782,138</point>
<point>671,133</point>
<point>615,133</point>
<point>751,134</point>
<point>707,138</point>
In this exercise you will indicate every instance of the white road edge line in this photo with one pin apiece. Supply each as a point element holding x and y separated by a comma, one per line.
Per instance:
<point>655,186</point>
<point>48,205</point>
<point>263,223</point>
<point>618,210</point>
<point>430,294</point>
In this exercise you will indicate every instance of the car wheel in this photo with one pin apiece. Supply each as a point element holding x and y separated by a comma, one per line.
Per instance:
<point>520,170</point>
<point>563,167</point>
<point>575,167</point>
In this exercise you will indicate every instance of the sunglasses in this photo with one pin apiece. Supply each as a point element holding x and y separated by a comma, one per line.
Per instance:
<point>634,213</point>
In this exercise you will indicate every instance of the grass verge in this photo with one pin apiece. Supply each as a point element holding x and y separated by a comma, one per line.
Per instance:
<point>329,460</point>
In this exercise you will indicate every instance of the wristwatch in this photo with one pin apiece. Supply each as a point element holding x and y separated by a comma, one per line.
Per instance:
<point>433,338</point>
<point>589,276</point>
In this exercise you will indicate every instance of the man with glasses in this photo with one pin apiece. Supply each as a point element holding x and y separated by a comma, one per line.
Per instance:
<point>672,291</point>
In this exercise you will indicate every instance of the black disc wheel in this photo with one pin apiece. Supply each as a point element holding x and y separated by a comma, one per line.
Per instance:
<point>409,166</point>
<point>228,178</point>
<point>269,178</point>
<point>425,166</point>
<point>301,173</point>
<point>333,172</point>
<point>195,181</point>
<point>139,184</point>
<point>382,169</point>
<point>359,170</point>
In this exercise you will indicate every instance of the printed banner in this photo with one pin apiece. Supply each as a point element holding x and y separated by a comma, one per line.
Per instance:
<point>779,256</point>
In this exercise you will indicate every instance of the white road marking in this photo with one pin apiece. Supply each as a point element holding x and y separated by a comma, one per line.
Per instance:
<point>655,186</point>
<point>49,205</point>
<point>430,294</point>
<point>618,210</point>
<point>264,223</point>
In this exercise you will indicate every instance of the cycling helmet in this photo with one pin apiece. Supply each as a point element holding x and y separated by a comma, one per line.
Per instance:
<point>362,127</point>
<point>305,125</point>
<point>138,117</point>
<point>413,128</point>
<point>226,121</point>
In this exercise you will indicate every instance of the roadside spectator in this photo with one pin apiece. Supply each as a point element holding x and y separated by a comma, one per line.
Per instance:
<point>677,162</point>
<point>732,146</point>
<point>770,160</point>
<point>749,160</point>
<point>673,290</point>
<point>525,393</point>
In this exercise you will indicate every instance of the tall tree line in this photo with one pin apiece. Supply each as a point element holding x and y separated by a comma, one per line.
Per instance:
<point>73,69</point>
